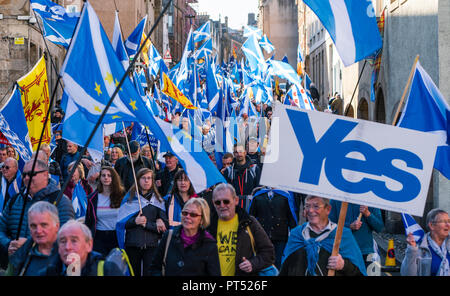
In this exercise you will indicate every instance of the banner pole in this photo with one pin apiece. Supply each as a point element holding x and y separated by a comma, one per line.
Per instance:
<point>344,205</point>
<point>408,84</point>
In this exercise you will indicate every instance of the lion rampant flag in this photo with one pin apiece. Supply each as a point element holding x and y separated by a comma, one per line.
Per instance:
<point>172,91</point>
<point>35,100</point>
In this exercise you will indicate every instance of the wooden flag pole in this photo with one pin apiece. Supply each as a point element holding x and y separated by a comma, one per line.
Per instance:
<point>132,168</point>
<point>405,91</point>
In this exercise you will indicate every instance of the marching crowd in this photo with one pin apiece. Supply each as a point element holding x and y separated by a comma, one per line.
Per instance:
<point>231,229</point>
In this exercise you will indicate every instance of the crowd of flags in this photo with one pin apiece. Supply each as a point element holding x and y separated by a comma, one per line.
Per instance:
<point>94,66</point>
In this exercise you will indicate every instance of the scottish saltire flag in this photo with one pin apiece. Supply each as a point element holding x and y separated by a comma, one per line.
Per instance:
<point>204,50</point>
<point>79,201</point>
<point>86,74</point>
<point>118,45</point>
<point>199,168</point>
<point>14,127</point>
<point>58,24</point>
<point>127,210</point>
<point>76,128</point>
<point>411,226</point>
<point>91,72</point>
<point>203,32</point>
<point>247,106</point>
<point>285,59</point>
<point>212,89</point>
<point>252,31</point>
<point>266,44</point>
<point>284,70</point>
<point>186,61</point>
<point>254,55</point>
<point>155,60</point>
<point>352,25</point>
<point>427,110</point>
<point>134,40</point>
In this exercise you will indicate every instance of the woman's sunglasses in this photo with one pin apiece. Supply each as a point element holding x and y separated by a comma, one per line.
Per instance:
<point>192,215</point>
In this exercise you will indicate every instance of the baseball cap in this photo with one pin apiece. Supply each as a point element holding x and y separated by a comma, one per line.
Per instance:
<point>168,154</point>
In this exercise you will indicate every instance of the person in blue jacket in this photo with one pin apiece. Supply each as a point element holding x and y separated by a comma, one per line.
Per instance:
<point>361,226</point>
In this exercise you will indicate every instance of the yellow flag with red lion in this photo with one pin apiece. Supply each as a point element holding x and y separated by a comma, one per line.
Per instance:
<point>35,100</point>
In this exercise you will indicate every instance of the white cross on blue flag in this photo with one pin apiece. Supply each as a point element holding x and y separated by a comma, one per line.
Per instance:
<point>351,24</point>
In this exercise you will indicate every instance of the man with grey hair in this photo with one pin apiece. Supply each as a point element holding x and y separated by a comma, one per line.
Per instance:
<point>34,256</point>
<point>243,245</point>
<point>39,190</point>
<point>10,181</point>
<point>76,257</point>
<point>429,256</point>
<point>308,251</point>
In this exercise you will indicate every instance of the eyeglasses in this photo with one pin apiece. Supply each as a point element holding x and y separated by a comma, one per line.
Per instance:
<point>192,215</point>
<point>32,174</point>
<point>225,202</point>
<point>443,221</point>
<point>6,167</point>
<point>314,207</point>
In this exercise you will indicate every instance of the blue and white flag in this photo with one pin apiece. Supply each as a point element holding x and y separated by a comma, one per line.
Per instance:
<point>79,201</point>
<point>58,24</point>
<point>86,72</point>
<point>12,190</point>
<point>254,55</point>
<point>411,226</point>
<point>127,210</point>
<point>427,110</point>
<point>118,45</point>
<point>266,44</point>
<point>91,72</point>
<point>212,89</point>
<point>75,126</point>
<point>14,127</point>
<point>134,40</point>
<point>155,60</point>
<point>204,50</point>
<point>203,32</point>
<point>252,31</point>
<point>198,166</point>
<point>352,25</point>
<point>285,71</point>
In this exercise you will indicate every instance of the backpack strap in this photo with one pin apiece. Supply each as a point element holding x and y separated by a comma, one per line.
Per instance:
<point>100,268</point>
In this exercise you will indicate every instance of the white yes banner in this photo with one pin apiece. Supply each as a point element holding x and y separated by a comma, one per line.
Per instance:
<point>351,160</point>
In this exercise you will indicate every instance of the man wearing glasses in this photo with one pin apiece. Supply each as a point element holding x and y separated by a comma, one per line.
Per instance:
<point>10,181</point>
<point>230,225</point>
<point>309,247</point>
<point>40,189</point>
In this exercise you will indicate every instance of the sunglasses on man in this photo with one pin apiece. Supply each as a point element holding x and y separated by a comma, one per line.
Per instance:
<point>32,174</point>
<point>225,202</point>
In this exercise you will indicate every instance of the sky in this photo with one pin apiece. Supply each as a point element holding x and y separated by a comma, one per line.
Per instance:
<point>236,10</point>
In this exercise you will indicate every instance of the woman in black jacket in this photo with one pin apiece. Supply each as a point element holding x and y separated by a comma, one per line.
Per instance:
<point>143,230</point>
<point>102,209</point>
<point>191,251</point>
